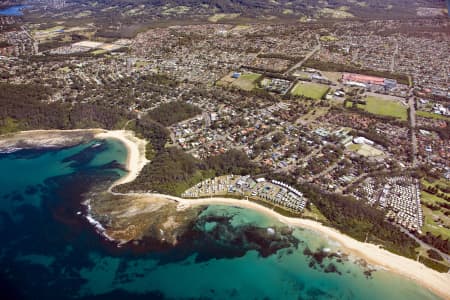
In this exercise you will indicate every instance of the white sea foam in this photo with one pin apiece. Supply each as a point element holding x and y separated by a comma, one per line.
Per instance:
<point>9,150</point>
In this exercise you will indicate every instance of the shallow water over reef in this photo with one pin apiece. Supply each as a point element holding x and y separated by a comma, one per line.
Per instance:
<point>49,251</point>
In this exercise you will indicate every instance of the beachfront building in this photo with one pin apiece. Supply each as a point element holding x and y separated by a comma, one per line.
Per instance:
<point>275,193</point>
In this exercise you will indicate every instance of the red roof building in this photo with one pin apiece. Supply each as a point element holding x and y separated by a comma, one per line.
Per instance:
<point>363,79</point>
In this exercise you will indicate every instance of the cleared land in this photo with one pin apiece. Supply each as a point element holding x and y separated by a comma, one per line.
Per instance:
<point>315,113</point>
<point>333,76</point>
<point>310,90</point>
<point>384,107</point>
<point>365,150</point>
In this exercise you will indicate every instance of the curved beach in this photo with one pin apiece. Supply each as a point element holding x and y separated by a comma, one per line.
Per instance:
<point>437,282</point>
<point>136,159</point>
<point>431,279</point>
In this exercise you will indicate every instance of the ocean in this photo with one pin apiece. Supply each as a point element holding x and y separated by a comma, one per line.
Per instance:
<point>50,251</point>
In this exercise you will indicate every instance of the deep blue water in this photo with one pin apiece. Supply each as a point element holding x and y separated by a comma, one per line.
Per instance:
<point>48,251</point>
<point>13,10</point>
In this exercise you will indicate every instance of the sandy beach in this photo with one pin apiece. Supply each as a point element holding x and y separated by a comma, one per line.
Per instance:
<point>65,138</point>
<point>136,153</point>
<point>439,283</point>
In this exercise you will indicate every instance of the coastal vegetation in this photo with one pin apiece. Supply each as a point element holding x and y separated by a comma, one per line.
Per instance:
<point>24,108</point>
<point>154,132</point>
<point>361,221</point>
<point>172,170</point>
<point>173,112</point>
<point>433,264</point>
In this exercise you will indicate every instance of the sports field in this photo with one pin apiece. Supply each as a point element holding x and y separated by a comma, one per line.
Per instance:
<point>384,107</point>
<point>310,90</point>
<point>246,81</point>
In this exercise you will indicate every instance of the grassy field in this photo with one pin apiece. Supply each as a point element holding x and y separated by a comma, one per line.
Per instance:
<point>314,213</point>
<point>431,115</point>
<point>430,198</point>
<point>384,107</point>
<point>217,17</point>
<point>246,81</point>
<point>328,38</point>
<point>434,219</point>
<point>340,13</point>
<point>177,10</point>
<point>432,225</point>
<point>310,90</point>
<point>437,183</point>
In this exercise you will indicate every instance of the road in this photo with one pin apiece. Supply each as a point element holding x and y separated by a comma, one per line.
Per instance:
<point>393,57</point>
<point>299,64</point>
<point>421,243</point>
<point>412,119</point>
<point>313,153</point>
<point>327,170</point>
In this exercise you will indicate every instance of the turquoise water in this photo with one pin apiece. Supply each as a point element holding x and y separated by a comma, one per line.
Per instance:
<point>13,10</point>
<point>48,251</point>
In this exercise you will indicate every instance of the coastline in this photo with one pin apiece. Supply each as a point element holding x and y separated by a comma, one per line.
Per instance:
<point>136,159</point>
<point>426,277</point>
<point>45,139</point>
<point>437,282</point>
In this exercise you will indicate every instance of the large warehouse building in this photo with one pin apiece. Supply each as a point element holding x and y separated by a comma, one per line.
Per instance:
<point>368,80</point>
